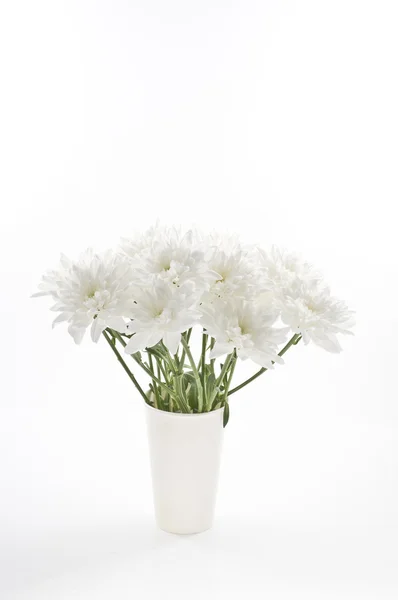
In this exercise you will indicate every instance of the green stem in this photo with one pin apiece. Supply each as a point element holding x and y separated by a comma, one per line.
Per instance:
<point>203,365</point>
<point>173,365</point>
<point>181,397</point>
<point>220,379</point>
<point>213,360</point>
<point>162,370</point>
<point>187,336</point>
<point>155,387</point>
<point>294,340</point>
<point>141,364</point>
<point>195,373</point>
<point>230,375</point>
<point>228,383</point>
<point>224,370</point>
<point>125,367</point>
<point>152,375</point>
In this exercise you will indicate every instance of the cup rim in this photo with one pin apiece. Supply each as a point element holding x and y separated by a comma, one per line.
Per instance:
<point>175,414</point>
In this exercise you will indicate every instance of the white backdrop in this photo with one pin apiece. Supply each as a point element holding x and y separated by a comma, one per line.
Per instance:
<point>277,120</point>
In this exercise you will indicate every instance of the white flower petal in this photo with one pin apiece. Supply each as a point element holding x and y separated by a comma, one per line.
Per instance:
<point>97,328</point>
<point>327,342</point>
<point>62,317</point>
<point>154,339</point>
<point>142,340</point>
<point>117,323</point>
<point>93,285</point>
<point>220,349</point>
<point>77,333</point>
<point>171,341</point>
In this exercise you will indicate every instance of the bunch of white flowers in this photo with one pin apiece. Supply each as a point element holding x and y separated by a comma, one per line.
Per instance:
<point>149,295</point>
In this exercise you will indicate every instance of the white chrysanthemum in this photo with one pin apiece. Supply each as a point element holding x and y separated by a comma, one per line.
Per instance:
<point>166,254</point>
<point>168,280</point>
<point>162,313</point>
<point>95,290</point>
<point>141,242</point>
<point>243,326</point>
<point>285,270</point>
<point>239,275</point>
<point>316,315</point>
<point>304,302</point>
<point>227,242</point>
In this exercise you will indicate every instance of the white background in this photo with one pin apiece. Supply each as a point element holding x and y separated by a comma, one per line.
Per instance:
<point>275,119</point>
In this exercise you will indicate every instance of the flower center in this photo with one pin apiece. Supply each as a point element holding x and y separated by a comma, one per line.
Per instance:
<point>96,300</point>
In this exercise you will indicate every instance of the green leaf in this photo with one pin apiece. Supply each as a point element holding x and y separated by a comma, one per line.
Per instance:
<point>226,414</point>
<point>155,352</point>
<point>208,370</point>
<point>191,390</point>
<point>158,350</point>
<point>210,383</point>
<point>181,393</point>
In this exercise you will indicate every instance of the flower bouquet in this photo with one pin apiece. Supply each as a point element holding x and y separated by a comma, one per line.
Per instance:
<point>180,309</point>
